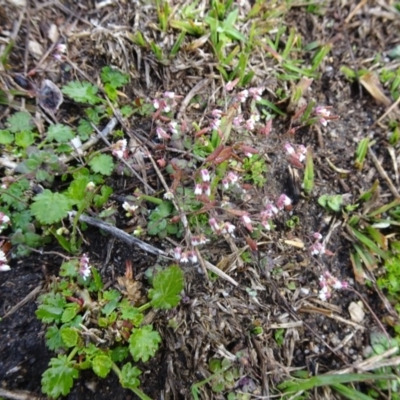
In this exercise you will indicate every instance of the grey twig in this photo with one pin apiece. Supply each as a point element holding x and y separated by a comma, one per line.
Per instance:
<point>119,234</point>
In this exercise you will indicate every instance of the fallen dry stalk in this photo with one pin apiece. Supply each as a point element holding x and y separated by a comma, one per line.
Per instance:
<point>119,234</point>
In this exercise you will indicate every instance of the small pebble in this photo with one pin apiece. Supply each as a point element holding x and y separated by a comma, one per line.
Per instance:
<point>356,312</point>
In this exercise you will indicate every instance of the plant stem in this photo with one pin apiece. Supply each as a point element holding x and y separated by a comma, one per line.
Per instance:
<point>144,307</point>
<point>151,199</point>
<point>73,352</point>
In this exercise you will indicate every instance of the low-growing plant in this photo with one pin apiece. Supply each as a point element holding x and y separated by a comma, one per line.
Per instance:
<point>90,327</point>
<point>380,343</point>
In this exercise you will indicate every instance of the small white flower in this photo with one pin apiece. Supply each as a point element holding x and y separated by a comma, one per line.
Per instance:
<point>192,257</point>
<point>216,113</point>
<point>205,176</point>
<point>169,95</point>
<point>198,190</point>
<point>4,268</point>
<point>162,134</point>
<point>129,208</point>
<point>215,124</point>
<point>84,267</point>
<point>289,148</point>
<point>173,127</point>
<point>168,195</point>
<point>184,259</point>
<point>3,258</point>
<point>177,253</point>
<point>4,219</point>
<point>242,96</point>
<point>118,148</point>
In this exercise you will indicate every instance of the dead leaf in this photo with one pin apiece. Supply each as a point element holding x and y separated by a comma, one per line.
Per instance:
<point>371,82</point>
<point>35,49</point>
<point>53,34</point>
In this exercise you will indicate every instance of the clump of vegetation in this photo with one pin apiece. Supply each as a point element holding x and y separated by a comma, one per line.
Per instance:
<point>91,327</point>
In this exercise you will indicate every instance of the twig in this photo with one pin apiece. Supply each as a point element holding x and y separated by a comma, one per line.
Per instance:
<point>383,173</point>
<point>27,298</point>
<point>190,96</point>
<point>220,273</point>
<point>18,395</point>
<point>119,234</point>
<point>388,111</point>
<point>372,362</point>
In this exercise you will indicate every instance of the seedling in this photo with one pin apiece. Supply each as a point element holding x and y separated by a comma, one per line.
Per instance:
<point>361,153</point>
<point>331,202</point>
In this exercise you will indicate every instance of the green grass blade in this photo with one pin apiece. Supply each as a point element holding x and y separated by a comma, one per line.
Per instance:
<point>329,380</point>
<point>272,106</point>
<point>367,242</point>
<point>308,181</point>
<point>350,393</point>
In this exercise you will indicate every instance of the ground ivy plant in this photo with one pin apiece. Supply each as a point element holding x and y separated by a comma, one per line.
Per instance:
<point>90,327</point>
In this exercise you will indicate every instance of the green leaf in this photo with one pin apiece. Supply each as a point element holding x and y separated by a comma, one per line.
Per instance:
<point>69,268</point>
<point>24,139</point>
<point>167,286</point>
<point>51,309</point>
<point>119,353</point>
<point>102,365</point>
<point>129,374</point>
<point>60,133</point>
<point>113,296</point>
<point>49,207</point>
<point>130,313</point>
<point>83,92</point>
<point>102,164</point>
<point>97,281</point>
<point>84,129</point>
<point>114,77</point>
<point>70,312</point>
<point>58,379</point>
<point>143,343</point>
<point>111,91</point>
<point>6,137</point>
<point>53,338</point>
<point>100,199</point>
<point>69,336</point>
<point>20,121</point>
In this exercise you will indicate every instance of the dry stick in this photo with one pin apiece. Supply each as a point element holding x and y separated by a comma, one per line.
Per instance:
<point>18,395</point>
<point>383,173</point>
<point>119,234</point>
<point>388,111</point>
<point>358,6</point>
<point>190,96</point>
<point>373,362</point>
<point>27,298</point>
